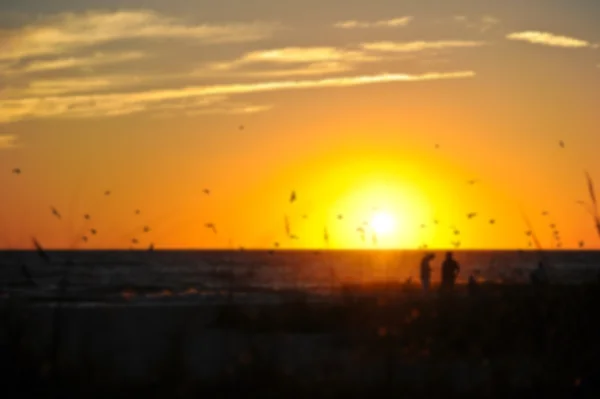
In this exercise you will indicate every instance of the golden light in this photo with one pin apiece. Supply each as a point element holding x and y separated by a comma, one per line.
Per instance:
<point>383,223</point>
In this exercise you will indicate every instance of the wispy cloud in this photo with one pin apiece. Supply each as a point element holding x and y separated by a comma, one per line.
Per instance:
<point>8,141</point>
<point>313,61</point>
<point>548,39</point>
<point>65,32</point>
<point>53,87</point>
<point>387,23</point>
<point>87,62</point>
<point>406,47</point>
<point>482,24</point>
<point>127,103</point>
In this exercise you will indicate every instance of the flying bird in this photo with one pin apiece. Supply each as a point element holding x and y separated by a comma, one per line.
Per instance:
<point>561,144</point>
<point>137,212</point>
<point>340,216</point>
<point>472,182</point>
<point>305,216</point>
<point>552,226</point>
<point>292,196</point>
<point>93,231</point>
<point>107,192</point>
<point>84,238</point>
<point>241,127</point>
<point>294,237</point>
<point>55,212</point>
<point>456,244</point>
<point>437,146</point>
<point>288,230</point>
<point>545,213</point>
<point>206,191</point>
<point>16,171</point>
<point>492,221</point>
<point>581,244</point>
<point>134,241</point>
<point>211,226</point>
<point>361,231</point>
<point>276,244</point>
<point>528,233</point>
<point>471,215</point>
<point>146,229</point>
<point>86,216</point>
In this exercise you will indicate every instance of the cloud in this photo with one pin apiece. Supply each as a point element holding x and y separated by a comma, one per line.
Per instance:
<point>91,61</point>
<point>388,23</point>
<point>482,24</point>
<point>8,141</point>
<point>69,31</point>
<point>548,39</point>
<point>98,105</point>
<point>53,87</point>
<point>316,60</point>
<point>405,47</point>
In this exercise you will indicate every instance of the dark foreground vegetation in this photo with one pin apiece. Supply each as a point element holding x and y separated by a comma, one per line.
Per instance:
<point>499,341</point>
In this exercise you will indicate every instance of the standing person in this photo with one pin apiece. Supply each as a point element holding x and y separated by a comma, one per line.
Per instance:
<point>426,271</point>
<point>450,270</point>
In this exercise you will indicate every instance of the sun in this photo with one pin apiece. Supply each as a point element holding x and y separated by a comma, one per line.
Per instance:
<point>383,223</point>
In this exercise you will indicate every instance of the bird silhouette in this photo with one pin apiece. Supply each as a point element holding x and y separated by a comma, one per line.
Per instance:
<point>84,238</point>
<point>241,127</point>
<point>55,212</point>
<point>206,191</point>
<point>288,230</point>
<point>93,231</point>
<point>211,226</point>
<point>472,181</point>
<point>492,221</point>
<point>435,221</point>
<point>276,244</point>
<point>107,192</point>
<point>340,216</point>
<point>294,237</point>
<point>16,171</point>
<point>456,232</point>
<point>528,233</point>
<point>146,229</point>
<point>134,241</point>
<point>456,244</point>
<point>561,144</point>
<point>471,215</point>
<point>581,244</point>
<point>305,216</point>
<point>86,216</point>
<point>292,196</point>
<point>437,146</point>
<point>552,226</point>
<point>545,213</point>
<point>137,212</point>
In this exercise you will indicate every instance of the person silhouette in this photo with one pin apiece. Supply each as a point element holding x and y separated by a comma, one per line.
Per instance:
<point>426,271</point>
<point>450,270</point>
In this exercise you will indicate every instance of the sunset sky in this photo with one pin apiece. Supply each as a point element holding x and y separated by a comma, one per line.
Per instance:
<point>381,111</point>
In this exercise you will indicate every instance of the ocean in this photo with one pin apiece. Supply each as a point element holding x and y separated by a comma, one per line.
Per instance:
<point>92,277</point>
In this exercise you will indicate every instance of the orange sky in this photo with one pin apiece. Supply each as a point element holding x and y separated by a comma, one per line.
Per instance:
<point>344,105</point>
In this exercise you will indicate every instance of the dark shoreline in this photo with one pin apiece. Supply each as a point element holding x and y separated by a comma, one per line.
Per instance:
<point>504,341</point>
